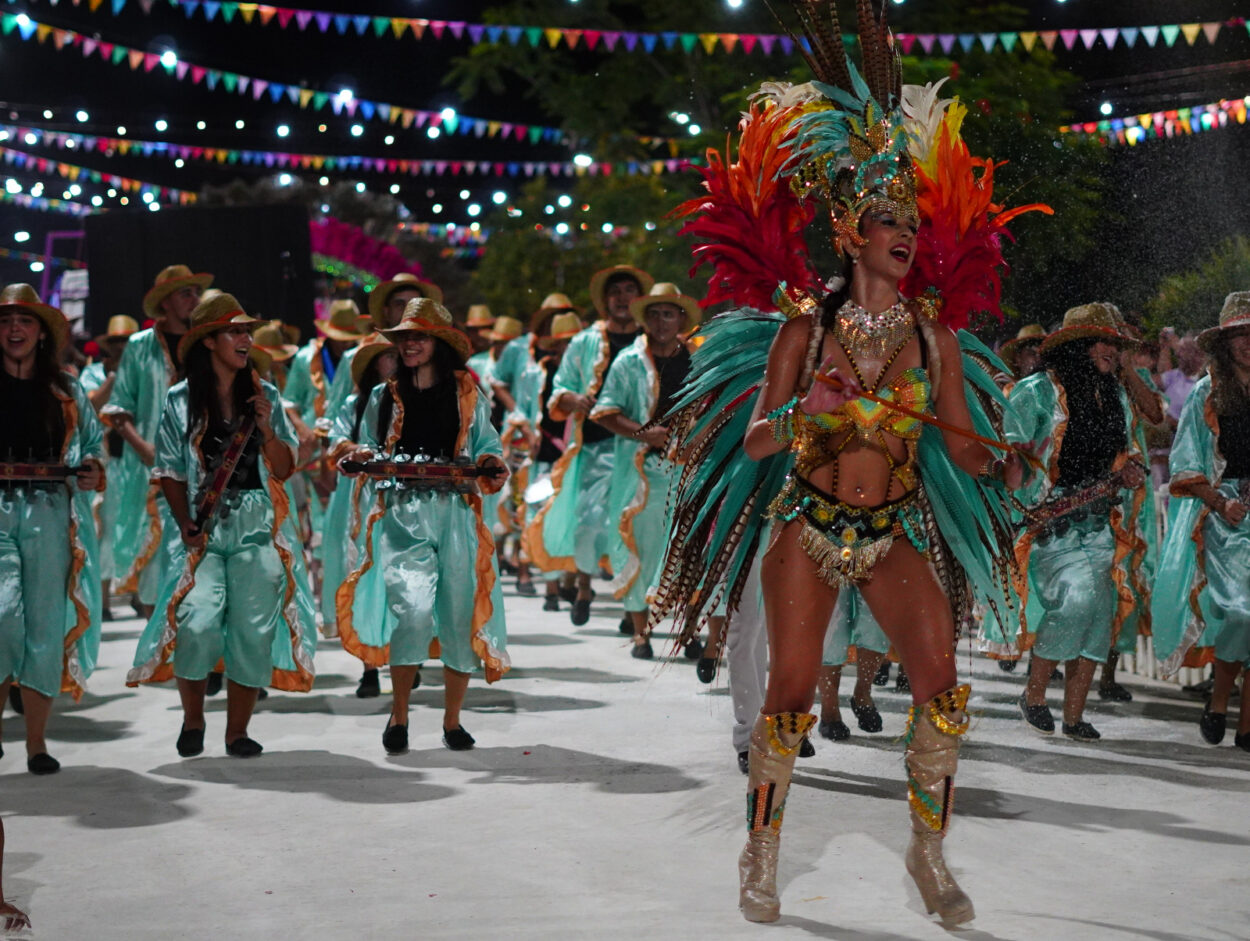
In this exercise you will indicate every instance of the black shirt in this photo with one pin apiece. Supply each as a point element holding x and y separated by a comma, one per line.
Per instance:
<point>593,431</point>
<point>1235,444</point>
<point>213,446</point>
<point>431,420</point>
<point>171,344</point>
<point>550,428</point>
<point>672,371</point>
<point>27,432</point>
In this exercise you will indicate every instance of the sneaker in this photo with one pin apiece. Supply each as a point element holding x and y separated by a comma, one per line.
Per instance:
<point>1212,725</point>
<point>834,729</point>
<point>1038,717</point>
<point>1114,692</point>
<point>1081,732</point>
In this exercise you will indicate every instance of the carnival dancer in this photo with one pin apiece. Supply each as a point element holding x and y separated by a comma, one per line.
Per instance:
<point>52,449</point>
<point>1076,583</point>
<point>97,381</point>
<point>573,532</point>
<point>504,330</point>
<point>478,325</point>
<point>1201,598</point>
<point>375,362</point>
<point>148,367</point>
<point>235,587</point>
<point>408,595</point>
<point>860,487</point>
<point>641,385</point>
<point>546,437</point>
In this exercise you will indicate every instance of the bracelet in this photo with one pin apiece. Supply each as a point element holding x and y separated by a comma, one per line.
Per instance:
<point>781,421</point>
<point>994,468</point>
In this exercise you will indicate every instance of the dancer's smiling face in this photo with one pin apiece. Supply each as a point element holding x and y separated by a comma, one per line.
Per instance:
<point>891,244</point>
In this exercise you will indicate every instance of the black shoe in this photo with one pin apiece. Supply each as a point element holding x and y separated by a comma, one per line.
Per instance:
<point>190,742</point>
<point>882,675</point>
<point>694,649</point>
<point>1038,717</point>
<point>580,613</point>
<point>416,680</point>
<point>642,651</point>
<point>526,588</point>
<point>1200,689</point>
<point>1212,725</point>
<point>458,739</point>
<point>834,729</point>
<point>868,718</point>
<point>15,699</point>
<point>1242,741</point>
<point>568,594</point>
<point>42,763</point>
<point>1008,666</point>
<point>506,567</point>
<point>214,684</point>
<point>395,739</point>
<point>244,747</point>
<point>261,694</point>
<point>807,749</point>
<point>744,760</point>
<point>1114,692</point>
<point>551,603</point>
<point>902,684</point>
<point>1081,732</point>
<point>106,614</point>
<point>705,669</point>
<point>1056,675</point>
<point>626,626</point>
<point>369,687</point>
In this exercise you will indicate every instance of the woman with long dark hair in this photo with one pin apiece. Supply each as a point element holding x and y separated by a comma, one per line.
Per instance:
<point>422,549</point>
<point>49,575</point>
<point>236,580</point>
<point>1201,611</point>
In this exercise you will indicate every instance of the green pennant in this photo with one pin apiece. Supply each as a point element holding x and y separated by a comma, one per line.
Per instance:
<point>7,23</point>
<point>535,134</point>
<point>331,163</point>
<point>230,80</point>
<point>534,34</point>
<point>119,54</point>
<point>232,156</point>
<point>688,42</point>
<point>1008,40</point>
<point>228,10</point>
<point>1169,34</point>
<point>319,100</point>
<point>381,26</point>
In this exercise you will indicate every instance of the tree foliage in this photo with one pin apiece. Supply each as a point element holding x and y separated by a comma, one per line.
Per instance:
<point>1191,301</point>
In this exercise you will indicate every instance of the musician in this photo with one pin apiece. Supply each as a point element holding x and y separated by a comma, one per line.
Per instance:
<point>425,549</point>
<point>97,381</point>
<point>236,588</point>
<point>374,362</point>
<point>1202,605</point>
<point>148,367</point>
<point>1079,587</point>
<point>546,436</point>
<point>640,385</point>
<point>49,577</point>
<point>576,531</point>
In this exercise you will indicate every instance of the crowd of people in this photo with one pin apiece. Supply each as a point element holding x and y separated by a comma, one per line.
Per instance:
<point>842,477</point>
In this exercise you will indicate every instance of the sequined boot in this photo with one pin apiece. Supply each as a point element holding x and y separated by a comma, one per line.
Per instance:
<point>775,742</point>
<point>932,740</point>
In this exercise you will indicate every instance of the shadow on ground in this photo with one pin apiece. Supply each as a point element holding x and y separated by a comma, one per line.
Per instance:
<point>118,798</point>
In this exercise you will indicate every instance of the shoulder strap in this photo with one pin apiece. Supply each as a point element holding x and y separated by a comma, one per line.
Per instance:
<point>815,340</point>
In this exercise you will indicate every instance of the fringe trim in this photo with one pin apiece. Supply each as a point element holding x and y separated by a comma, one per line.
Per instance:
<point>843,565</point>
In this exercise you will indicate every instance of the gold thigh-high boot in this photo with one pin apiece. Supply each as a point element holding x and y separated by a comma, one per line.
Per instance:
<point>933,733</point>
<point>775,742</point>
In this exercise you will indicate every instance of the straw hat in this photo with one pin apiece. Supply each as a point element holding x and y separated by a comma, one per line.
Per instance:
<point>554,303</point>
<point>667,293</point>
<point>505,329</point>
<point>210,316</point>
<point>120,327</point>
<point>23,298</point>
<point>1095,321</point>
<point>272,339</point>
<point>169,280</point>
<point>599,281</point>
<point>1233,316</point>
<point>423,315</point>
<point>479,317</point>
<point>343,323</point>
<point>371,347</point>
<point>382,293</point>
<point>564,326</point>
<point>1031,334</point>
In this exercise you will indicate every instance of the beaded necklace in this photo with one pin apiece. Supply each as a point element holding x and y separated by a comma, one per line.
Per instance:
<point>872,335</point>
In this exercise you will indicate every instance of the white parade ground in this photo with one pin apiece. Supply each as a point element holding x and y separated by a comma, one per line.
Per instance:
<point>604,801</point>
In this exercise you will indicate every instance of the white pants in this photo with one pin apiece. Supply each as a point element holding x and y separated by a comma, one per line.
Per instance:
<point>746,649</point>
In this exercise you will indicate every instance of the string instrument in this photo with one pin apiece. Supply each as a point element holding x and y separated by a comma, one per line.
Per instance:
<point>209,501</point>
<point>1054,516</point>
<point>35,472</point>
<point>420,472</point>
